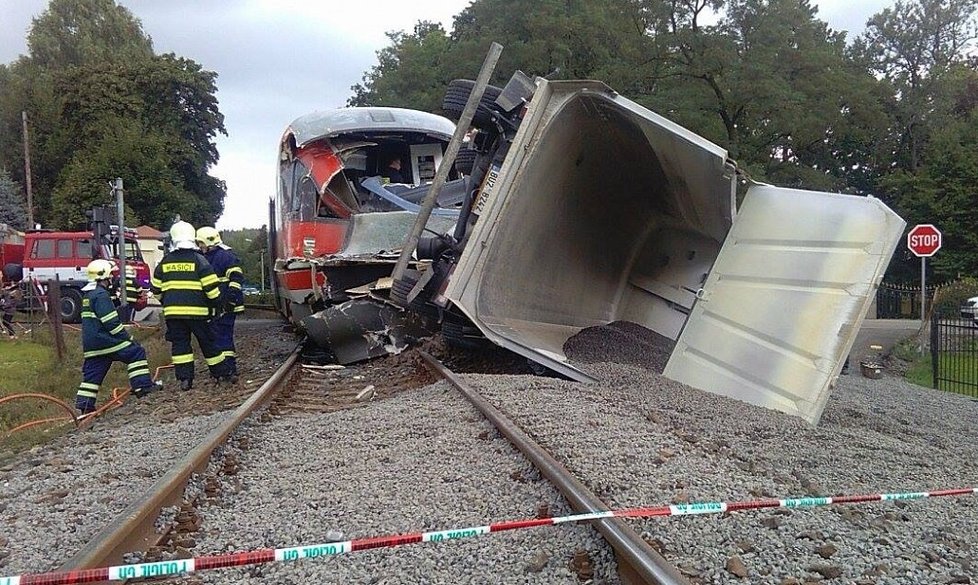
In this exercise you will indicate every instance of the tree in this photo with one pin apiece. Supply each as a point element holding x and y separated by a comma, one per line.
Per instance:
<point>562,38</point>
<point>81,32</point>
<point>13,208</point>
<point>102,105</point>
<point>913,46</point>
<point>771,83</point>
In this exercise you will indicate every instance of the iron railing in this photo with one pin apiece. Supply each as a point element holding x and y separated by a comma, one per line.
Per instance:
<point>954,353</point>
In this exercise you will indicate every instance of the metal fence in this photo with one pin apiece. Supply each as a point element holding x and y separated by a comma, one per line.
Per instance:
<point>895,301</point>
<point>954,353</point>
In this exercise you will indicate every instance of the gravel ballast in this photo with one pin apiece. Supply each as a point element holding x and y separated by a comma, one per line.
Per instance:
<point>418,461</point>
<point>638,439</point>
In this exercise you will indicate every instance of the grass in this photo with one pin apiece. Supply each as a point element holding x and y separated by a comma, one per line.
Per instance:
<point>963,367</point>
<point>29,365</point>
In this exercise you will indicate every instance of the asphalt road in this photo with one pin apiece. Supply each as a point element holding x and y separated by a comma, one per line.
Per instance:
<point>883,332</point>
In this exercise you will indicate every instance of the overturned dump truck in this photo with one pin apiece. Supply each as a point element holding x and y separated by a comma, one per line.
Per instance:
<point>603,211</point>
<point>337,223</point>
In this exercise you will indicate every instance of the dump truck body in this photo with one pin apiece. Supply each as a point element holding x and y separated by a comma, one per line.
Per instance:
<point>605,211</point>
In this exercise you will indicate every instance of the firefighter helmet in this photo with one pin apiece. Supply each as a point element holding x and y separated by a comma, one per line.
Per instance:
<point>99,270</point>
<point>182,232</point>
<point>208,236</point>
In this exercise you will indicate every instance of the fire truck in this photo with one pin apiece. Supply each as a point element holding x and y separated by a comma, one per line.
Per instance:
<point>45,255</point>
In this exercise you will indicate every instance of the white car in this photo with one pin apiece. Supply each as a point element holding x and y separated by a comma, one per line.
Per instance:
<point>969,310</point>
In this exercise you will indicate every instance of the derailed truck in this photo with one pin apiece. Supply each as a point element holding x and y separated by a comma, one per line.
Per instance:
<point>592,209</point>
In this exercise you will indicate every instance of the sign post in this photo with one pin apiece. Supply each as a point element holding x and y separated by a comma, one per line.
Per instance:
<point>924,240</point>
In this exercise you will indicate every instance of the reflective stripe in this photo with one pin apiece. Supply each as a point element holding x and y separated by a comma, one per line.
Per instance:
<point>239,309</point>
<point>209,280</point>
<point>181,285</point>
<point>156,282</point>
<point>224,279</point>
<point>138,363</point>
<point>233,269</point>
<point>109,316</point>
<point>184,358</point>
<point>213,361</point>
<point>184,311</point>
<point>135,373</point>
<point>213,293</point>
<point>87,394</point>
<point>118,329</point>
<point>235,284</point>
<point>228,354</point>
<point>88,386</point>
<point>88,315</point>
<point>107,350</point>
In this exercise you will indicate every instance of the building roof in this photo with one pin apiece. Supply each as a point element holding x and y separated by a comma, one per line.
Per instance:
<point>149,233</point>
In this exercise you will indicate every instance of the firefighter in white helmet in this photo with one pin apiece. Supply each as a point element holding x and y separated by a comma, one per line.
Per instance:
<point>189,292</point>
<point>105,340</point>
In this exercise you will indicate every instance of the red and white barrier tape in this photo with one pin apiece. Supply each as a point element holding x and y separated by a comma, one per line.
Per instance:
<point>269,555</point>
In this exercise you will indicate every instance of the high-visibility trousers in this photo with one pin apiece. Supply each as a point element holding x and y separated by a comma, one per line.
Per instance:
<point>94,370</point>
<point>223,330</point>
<point>178,332</point>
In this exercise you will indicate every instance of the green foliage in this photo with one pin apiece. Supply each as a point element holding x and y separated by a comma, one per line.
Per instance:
<point>13,207</point>
<point>102,105</point>
<point>251,246</point>
<point>77,32</point>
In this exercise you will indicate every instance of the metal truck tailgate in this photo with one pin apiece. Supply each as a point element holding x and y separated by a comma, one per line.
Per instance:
<point>780,310</point>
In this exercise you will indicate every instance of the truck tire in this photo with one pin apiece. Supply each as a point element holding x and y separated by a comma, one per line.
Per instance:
<point>13,272</point>
<point>457,95</point>
<point>461,333</point>
<point>465,160</point>
<point>71,305</point>
<point>400,289</point>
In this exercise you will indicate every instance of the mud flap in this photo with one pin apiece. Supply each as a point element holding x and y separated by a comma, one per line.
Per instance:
<point>365,328</point>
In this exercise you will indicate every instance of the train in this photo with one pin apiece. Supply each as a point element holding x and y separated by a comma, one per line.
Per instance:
<point>337,224</point>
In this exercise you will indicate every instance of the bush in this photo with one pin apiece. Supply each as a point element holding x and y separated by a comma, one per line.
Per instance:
<point>948,298</point>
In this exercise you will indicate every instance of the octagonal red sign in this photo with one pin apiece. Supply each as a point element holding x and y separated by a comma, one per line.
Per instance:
<point>924,240</point>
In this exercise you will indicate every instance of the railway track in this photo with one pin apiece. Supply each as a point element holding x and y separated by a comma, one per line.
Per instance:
<point>349,454</point>
<point>163,520</point>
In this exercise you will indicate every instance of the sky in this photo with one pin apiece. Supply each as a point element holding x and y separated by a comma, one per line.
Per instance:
<point>279,59</point>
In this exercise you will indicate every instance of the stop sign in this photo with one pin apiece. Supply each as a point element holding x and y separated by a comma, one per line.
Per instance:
<point>924,240</point>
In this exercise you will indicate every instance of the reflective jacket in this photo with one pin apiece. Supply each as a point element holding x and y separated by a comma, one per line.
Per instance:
<point>102,332</point>
<point>187,285</point>
<point>228,269</point>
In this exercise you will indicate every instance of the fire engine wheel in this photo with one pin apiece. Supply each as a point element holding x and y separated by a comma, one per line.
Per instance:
<point>12,272</point>
<point>465,160</point>
<point>457,95</point>
<point>71,305</point>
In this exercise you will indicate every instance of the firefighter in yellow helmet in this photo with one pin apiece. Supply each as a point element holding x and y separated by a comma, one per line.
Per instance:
<point>105,340</point>
<point>228,269</point>
<point>190,295</point>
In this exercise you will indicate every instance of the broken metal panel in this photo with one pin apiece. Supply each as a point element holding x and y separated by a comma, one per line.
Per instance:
<point>786,297</point>
<point>365,328</point>
<point>326,124</point>
<point>373,233</point>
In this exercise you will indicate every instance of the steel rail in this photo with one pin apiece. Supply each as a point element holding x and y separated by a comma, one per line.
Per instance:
<point>642,564</point>
<point>130,529</point>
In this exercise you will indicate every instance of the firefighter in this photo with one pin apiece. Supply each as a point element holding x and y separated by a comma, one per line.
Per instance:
<point>190,295</point>
<point>105,340</point>
<point>136,296</point>
<point>228,269</point>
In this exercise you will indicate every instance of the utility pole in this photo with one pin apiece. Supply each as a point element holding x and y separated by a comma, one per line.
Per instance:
<point>27,173</point>
<point>120,212</point>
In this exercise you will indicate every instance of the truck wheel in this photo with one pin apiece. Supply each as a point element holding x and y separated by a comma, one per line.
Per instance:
<point>463,335</point>
<point>465,160</point>
<point>13,272</point>
<point>71,304</point>
<point>400,290</point>
<point>457,95</point>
